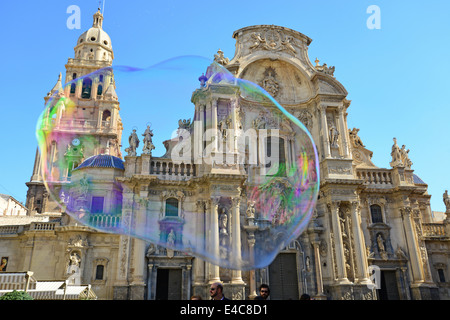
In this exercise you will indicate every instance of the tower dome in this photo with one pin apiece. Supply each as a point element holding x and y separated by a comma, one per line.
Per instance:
<point>95,43</point>
<point>102,161</point>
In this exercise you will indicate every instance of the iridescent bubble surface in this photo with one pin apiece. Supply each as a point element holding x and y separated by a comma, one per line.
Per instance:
<point>221,170</point>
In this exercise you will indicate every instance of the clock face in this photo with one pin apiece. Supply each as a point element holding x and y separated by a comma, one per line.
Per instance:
<point>76,142</point>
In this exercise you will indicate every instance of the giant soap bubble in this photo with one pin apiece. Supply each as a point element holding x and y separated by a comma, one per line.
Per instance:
<point>221,170</point>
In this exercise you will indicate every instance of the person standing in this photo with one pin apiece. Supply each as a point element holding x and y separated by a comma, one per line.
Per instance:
<point>216,291</point>
<point>264,292</point>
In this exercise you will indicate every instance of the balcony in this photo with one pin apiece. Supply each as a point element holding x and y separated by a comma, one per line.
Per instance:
<point>378,178</point>
<point>434,230</point>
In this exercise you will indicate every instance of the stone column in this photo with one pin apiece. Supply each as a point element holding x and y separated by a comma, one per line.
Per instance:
<point>150,281</point>
<point>214,125</point>
<point>325,140</point>
<point>235,125</point>
<point>199,264</point>
<point>198,137</point>
<point>214,240</point>
<point>251,243</point>
<point>121,283</point>
<point>413,247</point>
<point>99,118</point>
<point>360,247</point>
<point>138,263</point>
<point>343,132</point>
<point>338,243</point>
<point>236,238</point>
<point>320,295</point>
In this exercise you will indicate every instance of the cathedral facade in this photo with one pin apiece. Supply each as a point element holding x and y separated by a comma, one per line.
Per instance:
<point>369,225</point>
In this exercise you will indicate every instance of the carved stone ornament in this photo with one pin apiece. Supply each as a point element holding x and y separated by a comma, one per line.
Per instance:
<point>306,118</point>
<point>78,242</point>
<point>220,58</point>
<point>272,40</point>
<point>324,68</point>
<point>269,82</point>
<point>354,138</point>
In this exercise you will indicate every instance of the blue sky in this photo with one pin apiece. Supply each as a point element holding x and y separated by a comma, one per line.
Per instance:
<point>396,76</point>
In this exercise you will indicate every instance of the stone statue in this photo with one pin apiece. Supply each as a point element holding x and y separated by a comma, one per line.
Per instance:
<point>148,144</point>
<point>171,238</point>
<point>75,259</point>
<point>251,210</point>
<point>380,243</point>
<point>133,140</point>
<point>223,222</point>
<point>446,199</point>
<point>355,138</point>
<point>223,125</point>
<point>334,136</point>
<point>404,156</point>
<point>396,155</point>
<point>220,58</point>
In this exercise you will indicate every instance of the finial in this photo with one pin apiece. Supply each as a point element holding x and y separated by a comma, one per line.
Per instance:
<point>202,80</point>
<point>317,62</point>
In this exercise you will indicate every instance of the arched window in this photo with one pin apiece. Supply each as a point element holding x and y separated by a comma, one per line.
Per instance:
<point>106,116</point>
<point>86,89</point>
<point>441,275</point>
<point>99,90</point>
<point>375,212</point>
<point>171,207</point>
<point>73,87</point>
<point>99,272</point>
<point>275,161</point>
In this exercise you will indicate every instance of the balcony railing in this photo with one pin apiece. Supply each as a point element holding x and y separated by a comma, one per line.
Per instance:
<point>168,170</point>
<point>374,177</point>
<point>433,230</point>
<point>105,221</point>
<point>43,226</point>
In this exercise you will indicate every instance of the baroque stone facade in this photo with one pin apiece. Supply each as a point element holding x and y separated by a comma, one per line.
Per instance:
<point>370,223</point>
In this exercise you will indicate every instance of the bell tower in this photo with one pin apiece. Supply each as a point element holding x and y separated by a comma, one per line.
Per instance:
<point>92,125</point>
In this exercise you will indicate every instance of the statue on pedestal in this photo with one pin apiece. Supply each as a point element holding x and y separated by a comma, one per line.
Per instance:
<point>396,155</point>
<point>133,140</point>
<point>334,136</point>
<point>446,199</point>
<point>148,144</point>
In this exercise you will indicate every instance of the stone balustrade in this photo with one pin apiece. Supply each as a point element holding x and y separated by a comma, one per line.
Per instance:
<point>104,221</point>
<point>43,226</point>
<point>375,176</point>
<point>433,230</point>
<point>168,170</point>
<point>10,229</point>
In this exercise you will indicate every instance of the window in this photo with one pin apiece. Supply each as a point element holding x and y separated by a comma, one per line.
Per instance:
<point>99,90</point>
<point>441,275</point>
<point>73,87</point>
<point>375,211</point>
<point>275,157</point>
<point>100,78</point>
<point>74,76</point>
<point>99,272</point>
<point>86,89</point>
<point>171,207</point>
<point>106,116</point>
<point>97,205</point>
